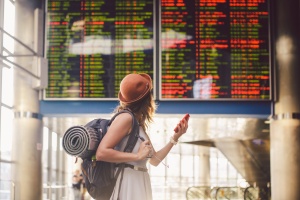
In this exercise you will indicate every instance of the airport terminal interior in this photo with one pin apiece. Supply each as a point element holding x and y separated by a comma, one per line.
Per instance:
<point>233,65</point>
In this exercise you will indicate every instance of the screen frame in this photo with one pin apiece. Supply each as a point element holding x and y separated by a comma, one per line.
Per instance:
<point>154,57</point>
<point>271,70</point>
<point>157,63</point>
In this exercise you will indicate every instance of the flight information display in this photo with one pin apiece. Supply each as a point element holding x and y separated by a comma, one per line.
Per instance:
<point>215,49</point>
<point>92,44</point>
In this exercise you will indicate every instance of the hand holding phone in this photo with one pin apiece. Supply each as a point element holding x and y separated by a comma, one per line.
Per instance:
<point>186,117</point>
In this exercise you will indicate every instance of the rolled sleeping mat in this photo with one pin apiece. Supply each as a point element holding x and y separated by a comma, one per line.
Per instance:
<point>80,141</point>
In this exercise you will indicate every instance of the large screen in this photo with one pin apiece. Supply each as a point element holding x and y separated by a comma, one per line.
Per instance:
<point>92,44</point>
<point>215,49</point>
<point>198,49</point>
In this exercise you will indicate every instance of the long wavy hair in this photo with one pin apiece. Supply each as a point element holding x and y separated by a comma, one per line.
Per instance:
<point>144,110</point>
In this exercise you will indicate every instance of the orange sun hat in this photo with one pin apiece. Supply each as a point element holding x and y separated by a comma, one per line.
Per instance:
<point>134,87</point>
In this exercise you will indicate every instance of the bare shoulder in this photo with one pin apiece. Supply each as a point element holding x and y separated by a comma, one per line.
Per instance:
<point>123,119</point>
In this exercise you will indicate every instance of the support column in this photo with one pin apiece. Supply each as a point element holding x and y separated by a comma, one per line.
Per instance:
<point>27,134</point>
<point>204,166</point>
<point>285,127</point>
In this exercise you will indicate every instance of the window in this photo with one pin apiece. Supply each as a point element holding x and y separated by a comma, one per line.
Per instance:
<point>6,133</point>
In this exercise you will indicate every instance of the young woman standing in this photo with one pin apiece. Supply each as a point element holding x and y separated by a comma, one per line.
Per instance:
<point>135,95</point>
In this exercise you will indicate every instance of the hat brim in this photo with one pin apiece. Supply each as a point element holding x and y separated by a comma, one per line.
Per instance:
<point>146,76</point>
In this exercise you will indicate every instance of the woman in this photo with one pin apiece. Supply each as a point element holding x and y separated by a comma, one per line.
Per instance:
<point>135,95</point>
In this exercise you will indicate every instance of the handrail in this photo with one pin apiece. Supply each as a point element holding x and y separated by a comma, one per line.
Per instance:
<point>227,192</point>
<point>50,187</point>
<point>19,41</point>
<point>253,193</point>
<point>247,193</point>
<point>19,67</point>
<point>199,192</point>
<point>235,192</point>
<point>5,58</point>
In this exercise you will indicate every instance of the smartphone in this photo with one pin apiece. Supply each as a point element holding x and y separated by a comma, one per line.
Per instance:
<point>186,117</point>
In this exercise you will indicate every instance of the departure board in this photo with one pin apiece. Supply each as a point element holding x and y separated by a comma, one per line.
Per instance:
<point>215,49</point>
<point>92,44</point>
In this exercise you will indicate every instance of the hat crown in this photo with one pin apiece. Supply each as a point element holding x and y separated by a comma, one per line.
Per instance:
<point>133,87</point>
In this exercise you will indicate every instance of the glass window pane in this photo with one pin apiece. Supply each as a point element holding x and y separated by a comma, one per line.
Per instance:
<point>9,17</point>
<point>6,133</point>
<point>232,172</point>
<point>158,187</point>
<point>45,146</point>
<point>158,170</point>
<point>222,167</point>
<point>187,169</point>
<point>8,43</point>
<point>187,149</point>
<point>213,167</point>
<point>7,86</point>
<point>8,58</point>
<point>197,169</point>
<point>61,151</point>
<point>5,170</point>
<point>174,165</point>
<point>45,176</point>
<point>53,178</point>
<point>53,150</point>
<point>5,182</point>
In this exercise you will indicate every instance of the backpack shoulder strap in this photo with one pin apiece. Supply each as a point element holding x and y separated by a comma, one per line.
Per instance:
<point>134,133</point>
<point>133,137</point>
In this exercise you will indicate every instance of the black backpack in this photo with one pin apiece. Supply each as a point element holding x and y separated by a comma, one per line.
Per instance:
<point>82,141</point>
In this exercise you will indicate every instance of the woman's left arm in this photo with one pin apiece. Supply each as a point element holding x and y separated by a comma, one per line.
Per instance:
<point>158,156</point>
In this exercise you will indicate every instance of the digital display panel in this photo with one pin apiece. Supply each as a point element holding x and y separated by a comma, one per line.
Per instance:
<point>215,49</point>
<point>92,44</point>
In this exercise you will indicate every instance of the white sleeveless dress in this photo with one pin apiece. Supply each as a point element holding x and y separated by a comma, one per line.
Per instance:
<point>135,185</point>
